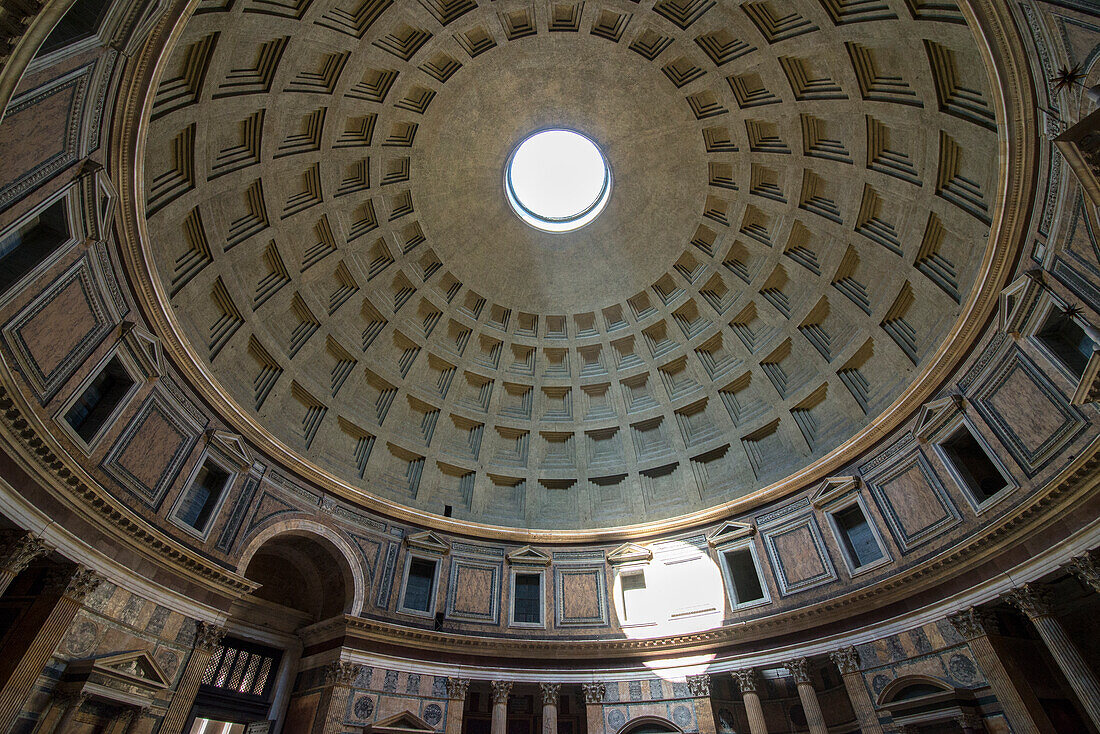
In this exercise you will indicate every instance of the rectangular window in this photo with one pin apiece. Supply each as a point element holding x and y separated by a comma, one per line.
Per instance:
<point>98,402</point>
<point>744,576</point>
<point>972,465</point>
<point>79,22</point>
<point>420,585</point>
<point>1067,341</point>
<point>527,604</point>
<point>633,588</point>
<point>32,242</point>
<point>857,537</point>
<point>200,500</point>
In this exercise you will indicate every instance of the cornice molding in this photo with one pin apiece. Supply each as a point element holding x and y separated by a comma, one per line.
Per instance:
<point>66,480</point>
<point>1072,486</point>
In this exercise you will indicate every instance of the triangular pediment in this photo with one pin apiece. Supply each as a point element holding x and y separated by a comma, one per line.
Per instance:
<point>528,556</point>
<point>934,415</point>
<point>145,348</point>
<point>730,530</point>
<point>426,540</point>
<point>406,721</point>
<point>834,488</point>
<point>1016,300</point>
<point>233,447</point>
<point>137,666</point>
<point>629,553</point>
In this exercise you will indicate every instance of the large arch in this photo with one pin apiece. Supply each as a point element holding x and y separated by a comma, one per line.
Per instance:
<point>301,543</point>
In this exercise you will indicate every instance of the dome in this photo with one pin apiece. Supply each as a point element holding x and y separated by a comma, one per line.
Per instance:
<point>762,399</point>
<point>798,225</point>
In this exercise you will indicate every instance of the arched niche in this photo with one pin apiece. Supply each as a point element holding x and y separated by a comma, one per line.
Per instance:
<point>649,725</point>
<point>305,567</point>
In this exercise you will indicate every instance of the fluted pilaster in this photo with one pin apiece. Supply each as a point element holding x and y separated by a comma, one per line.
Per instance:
<point>846,660</point>
<point>746,680</point>
<point>207,638</point>
<point>1034,601</point>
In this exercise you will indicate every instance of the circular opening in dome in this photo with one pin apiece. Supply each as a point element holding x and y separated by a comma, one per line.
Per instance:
<point>557,180</point>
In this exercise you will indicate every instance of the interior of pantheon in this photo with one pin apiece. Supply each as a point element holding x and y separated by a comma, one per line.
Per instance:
<point>549,366</point>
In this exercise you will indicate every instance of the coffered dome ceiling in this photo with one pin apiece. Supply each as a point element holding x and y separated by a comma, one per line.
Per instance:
<point>802,202</point>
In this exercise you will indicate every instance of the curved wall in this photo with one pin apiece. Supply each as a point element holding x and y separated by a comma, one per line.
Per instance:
<point>111,500</point>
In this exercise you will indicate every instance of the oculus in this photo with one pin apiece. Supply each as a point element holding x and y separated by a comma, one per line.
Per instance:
<point>557,180</point>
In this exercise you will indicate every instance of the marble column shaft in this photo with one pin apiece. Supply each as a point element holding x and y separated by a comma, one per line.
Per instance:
<point>975,626</point>
<point>64,593</point>
<point>746,679</point>
<point>1034,602</point>
<point>339,678</point>
<point>847,661</point>
<point>501,690</point>
<point>207,639</point>
<point>593,705</point>
<point>550,693</point>
<point>699,688</point>
<point>456,704</point>
<point>800,671</point>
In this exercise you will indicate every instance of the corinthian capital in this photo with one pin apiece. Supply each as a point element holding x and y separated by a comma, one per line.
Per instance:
<point>846,658</point>
<point>208,636</point>
<point>457,688</point>
<point>699,685</point>
<point>1032,599</point>
<point>594,692</point>
<point>73,582</point>
<point>799,669</point>
<point>18,548</point>
<point>501,689</point>
<point>1087,568</point>
<point>342,673</point>
<point>973,623</point>
<point>550,693</point>
<point>746,679</point>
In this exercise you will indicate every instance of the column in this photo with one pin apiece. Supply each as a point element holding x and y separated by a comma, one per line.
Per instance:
<point>800,671</point>
<point>550,692</point>
<point>17,549</point>
<point>846,660</point>
<point>57,605</point>
<point>699,688</point>
<point>1032,600</point>
<point>135,720</point>
<point>339,678</point>
<point>746,680</point>
<point>501,690</point>
<point>975,626</point>
<point>593,706</point>
<point>456,704</point>
<point>70,703</point>
<point>207,638</point>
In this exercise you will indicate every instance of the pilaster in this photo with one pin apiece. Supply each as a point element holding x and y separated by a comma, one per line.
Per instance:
<point>846,660</point>
<point>207,639</point>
